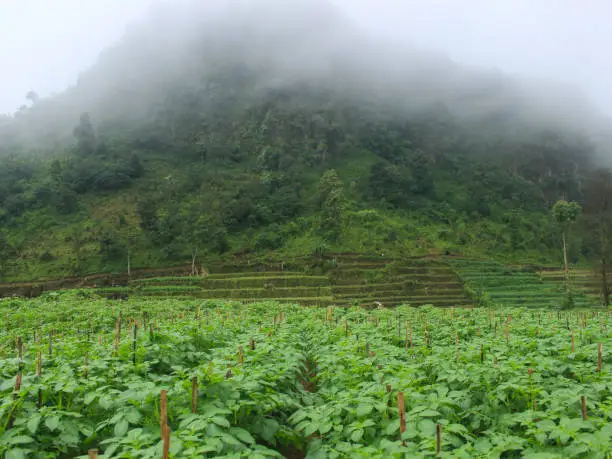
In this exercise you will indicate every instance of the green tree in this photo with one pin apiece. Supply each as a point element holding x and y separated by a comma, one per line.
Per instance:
<point>77,239</point>
<point>7,252</point>
<point>85,136</point>
<point>331,202</point>
<point>598,213</point>
<point>565,215</point>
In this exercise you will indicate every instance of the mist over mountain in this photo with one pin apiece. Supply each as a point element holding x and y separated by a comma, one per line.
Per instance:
<point>243,49</point>
<point>250,127</point>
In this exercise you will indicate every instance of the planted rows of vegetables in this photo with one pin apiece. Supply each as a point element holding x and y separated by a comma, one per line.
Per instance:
<point>175,378</point>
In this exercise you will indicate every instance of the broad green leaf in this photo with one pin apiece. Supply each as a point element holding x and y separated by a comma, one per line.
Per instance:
<point>242,435</point>
<point>392,428</point>
<point>15,453</point>
<point>364,409</point>
<point>220,421</point>
<point>52,422</point>
<point>176,446</point>
<point>21,440</point>
<point>89,397</point>
<point>357,435</point>
<point>121,428</point>
<point>33,424</point>
<point>427,428</point>
<point>133,416</point>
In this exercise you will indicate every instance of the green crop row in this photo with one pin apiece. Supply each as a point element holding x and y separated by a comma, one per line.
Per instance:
<point>272,380</point>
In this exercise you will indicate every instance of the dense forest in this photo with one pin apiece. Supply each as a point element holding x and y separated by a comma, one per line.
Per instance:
<point>219,135</point>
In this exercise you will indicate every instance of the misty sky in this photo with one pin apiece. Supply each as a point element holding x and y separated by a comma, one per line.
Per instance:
<point>44,44</point>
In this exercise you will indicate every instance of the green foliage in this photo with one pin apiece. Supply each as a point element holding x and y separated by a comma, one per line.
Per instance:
<point>332,203</point>
<point>566,213</point>
<point>85,136</point>
<point>219,167</point>
<point>314,383</point>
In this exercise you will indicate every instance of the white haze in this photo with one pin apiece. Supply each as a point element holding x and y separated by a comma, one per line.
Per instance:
<point>44,44</point>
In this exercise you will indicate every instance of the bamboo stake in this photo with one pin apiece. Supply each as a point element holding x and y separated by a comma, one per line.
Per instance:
<point>599,357</point>
<point>457,346</point>
<point>15,397</point>
<point>92,454</point>
<point>39,374</point>
<point>163,412</point>
<point>19,344</point>
<point>134,342</point>
<point>573,346</point>
<point>166,440</point>
<point>240,355</point>
<point>402,411</point>
<point>194,394</point>
<point>411,343</point>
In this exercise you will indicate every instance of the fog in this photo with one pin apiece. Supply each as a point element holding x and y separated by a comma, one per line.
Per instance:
<point>44,45</point>
<point>522,65</point>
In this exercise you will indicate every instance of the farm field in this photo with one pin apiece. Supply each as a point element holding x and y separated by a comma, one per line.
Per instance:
<point>190,378</point>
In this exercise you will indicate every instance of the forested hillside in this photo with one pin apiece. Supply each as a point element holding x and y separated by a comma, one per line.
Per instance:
<point>218,134</point>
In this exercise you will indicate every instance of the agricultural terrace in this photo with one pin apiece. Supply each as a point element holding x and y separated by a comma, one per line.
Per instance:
<point>151,378</point>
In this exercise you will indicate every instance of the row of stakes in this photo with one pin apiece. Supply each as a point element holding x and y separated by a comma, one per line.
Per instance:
<point>165,428</point>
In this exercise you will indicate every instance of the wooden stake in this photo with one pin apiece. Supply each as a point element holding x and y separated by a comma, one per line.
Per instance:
<point>166,440</point>
<point>457,346</point>
<point>134,342</point>
<point>240,355</point>
<point>194,394</point>
<point>402,411</point>
<point>573,346</point>
<point>584,408</point>
<point>252,344</point>
<point>599,357</point>
<point>92,454</point>
<point>163,411</point>
<point>39,374</point>
<point>19,344</point>
<point>411,343</point>
<point>438,438</point>
<point>15,397</point>
<point>18,384</point>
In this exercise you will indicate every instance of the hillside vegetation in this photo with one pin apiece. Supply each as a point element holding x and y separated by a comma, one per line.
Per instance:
<point>211,135</point>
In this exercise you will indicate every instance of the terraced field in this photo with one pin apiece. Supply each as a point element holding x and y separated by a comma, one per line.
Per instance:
<point>350,279</point>
<point>582,280</point>
<point>414,282</point>
<point>495,283</point>
<point>356,279</point>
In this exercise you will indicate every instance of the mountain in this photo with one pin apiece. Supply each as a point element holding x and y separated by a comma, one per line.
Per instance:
<point>280,130</point>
